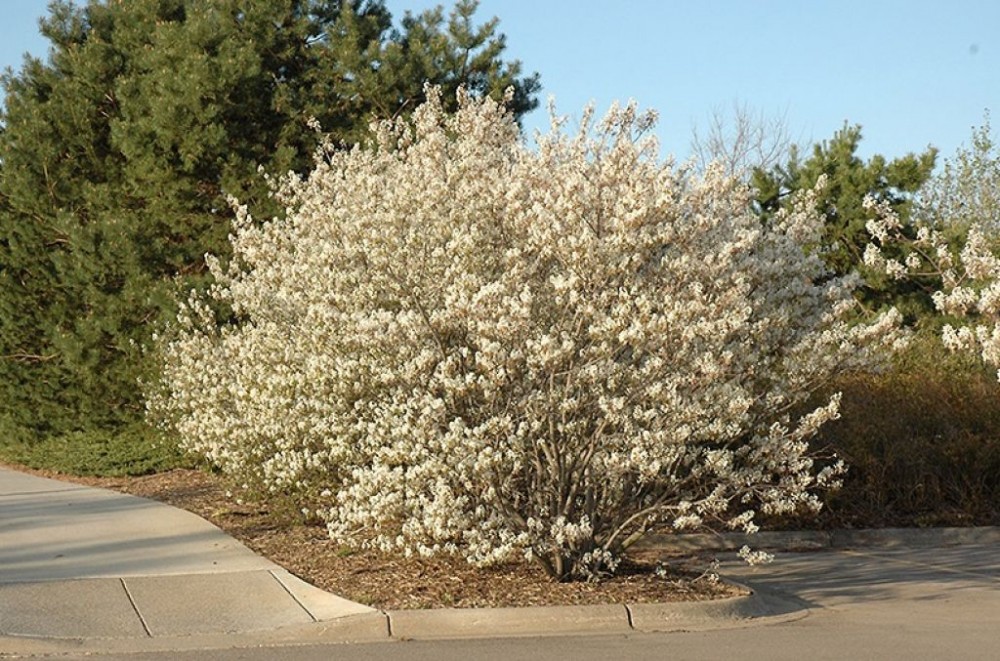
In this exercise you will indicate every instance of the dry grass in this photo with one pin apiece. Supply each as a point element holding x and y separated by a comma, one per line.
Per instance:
<point>922,441</point>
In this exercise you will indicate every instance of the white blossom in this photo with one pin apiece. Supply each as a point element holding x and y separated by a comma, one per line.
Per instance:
<point>753,557</point>
<point>969,277</point>
<point>453,343</point>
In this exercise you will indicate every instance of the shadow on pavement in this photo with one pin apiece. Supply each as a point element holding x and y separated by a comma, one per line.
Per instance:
<point>827,578</point>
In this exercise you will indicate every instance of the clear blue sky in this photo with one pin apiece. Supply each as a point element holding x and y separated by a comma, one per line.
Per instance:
<point>911,72</point>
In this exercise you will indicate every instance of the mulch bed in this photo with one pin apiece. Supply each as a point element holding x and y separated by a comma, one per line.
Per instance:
<point>392,582</point>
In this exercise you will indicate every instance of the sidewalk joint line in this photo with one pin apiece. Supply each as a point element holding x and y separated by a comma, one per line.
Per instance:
<point>628,617</point>
<point>135,607</point>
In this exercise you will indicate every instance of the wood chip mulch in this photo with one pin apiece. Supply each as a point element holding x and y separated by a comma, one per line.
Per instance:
<point>392,582</point>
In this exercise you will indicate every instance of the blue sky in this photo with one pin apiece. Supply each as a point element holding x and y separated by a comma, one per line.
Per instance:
<point>913,73</point>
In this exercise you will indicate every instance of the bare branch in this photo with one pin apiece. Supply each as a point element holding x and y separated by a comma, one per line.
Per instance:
<point>742,139</point>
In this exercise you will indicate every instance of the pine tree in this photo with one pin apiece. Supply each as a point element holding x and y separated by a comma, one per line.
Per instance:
<point>849,180</point>
<point>117,155</point>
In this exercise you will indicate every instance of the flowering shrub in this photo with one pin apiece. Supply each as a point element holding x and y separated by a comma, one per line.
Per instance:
<point>969,276</point>
<point>452,343</point>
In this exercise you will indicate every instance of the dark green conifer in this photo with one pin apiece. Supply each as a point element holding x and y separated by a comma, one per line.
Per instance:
<point>118,152</point>
<point>849,180</point>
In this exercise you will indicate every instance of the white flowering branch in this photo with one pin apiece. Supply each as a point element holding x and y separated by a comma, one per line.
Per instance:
<point>969,275</point>
<point>456,344</point>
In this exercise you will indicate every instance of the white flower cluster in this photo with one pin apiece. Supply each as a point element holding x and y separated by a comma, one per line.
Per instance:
<point>969,276</point>
<point>453,343</point>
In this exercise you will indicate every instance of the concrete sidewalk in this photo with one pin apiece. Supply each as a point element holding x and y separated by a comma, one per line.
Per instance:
<point>81,564</point>
<point>88,570</point>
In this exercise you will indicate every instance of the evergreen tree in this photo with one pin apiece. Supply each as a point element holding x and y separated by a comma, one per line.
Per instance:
<point>849,180</point>
<point>117,155</point>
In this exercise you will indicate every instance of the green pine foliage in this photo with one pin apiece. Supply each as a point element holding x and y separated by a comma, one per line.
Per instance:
<point>849,180</point>
<point>118,152</point>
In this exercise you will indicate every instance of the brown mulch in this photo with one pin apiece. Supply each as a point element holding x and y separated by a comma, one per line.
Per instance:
<point>393,582</point>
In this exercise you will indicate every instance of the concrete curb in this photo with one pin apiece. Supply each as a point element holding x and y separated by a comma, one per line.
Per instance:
<point>455,623</point>
<point>817,540</point>
<point>755,607</point>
